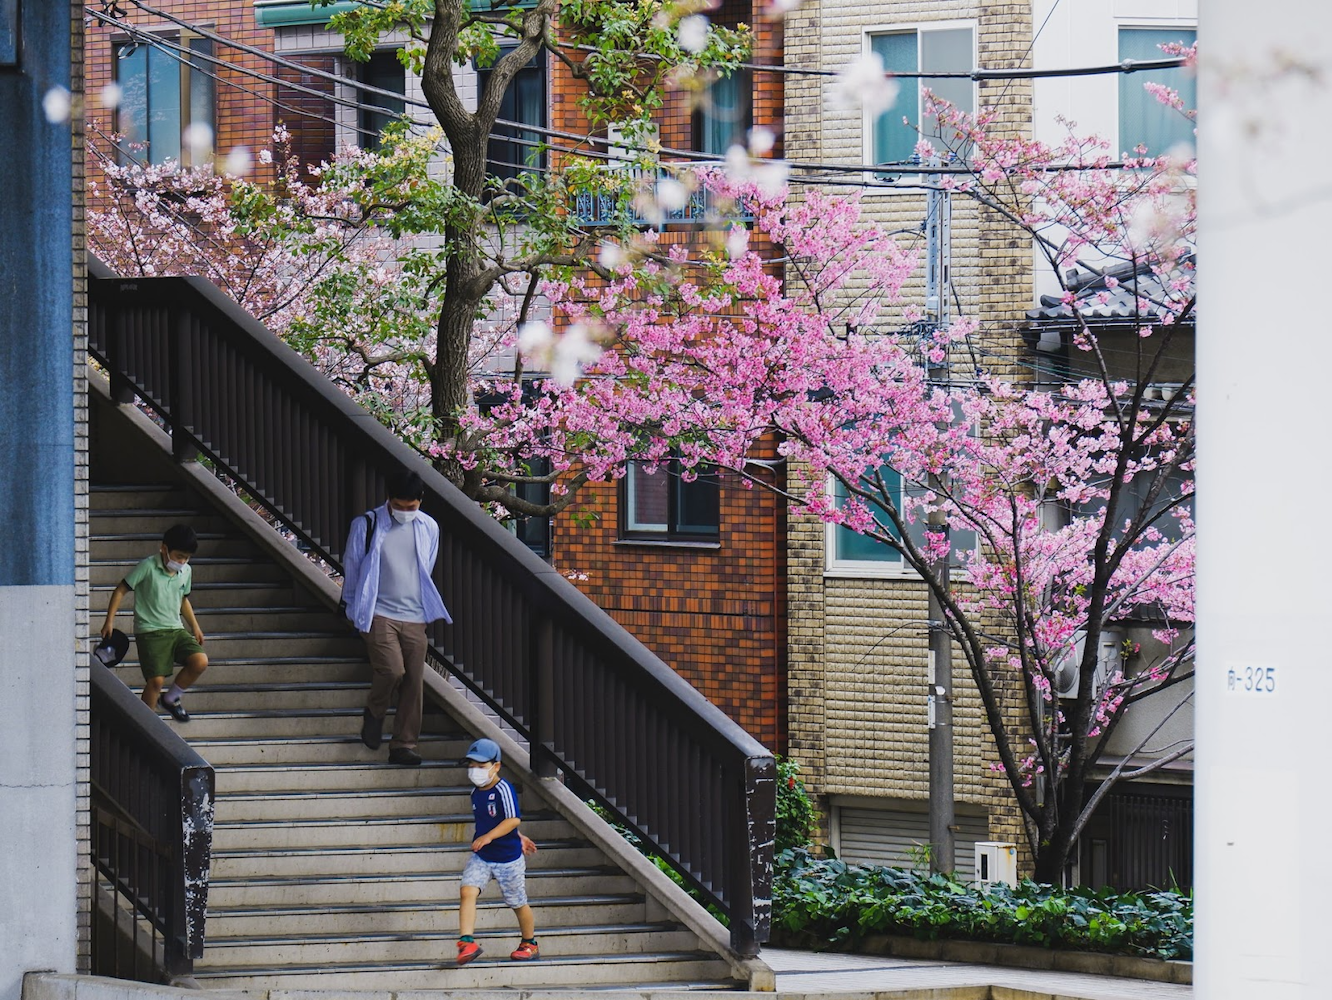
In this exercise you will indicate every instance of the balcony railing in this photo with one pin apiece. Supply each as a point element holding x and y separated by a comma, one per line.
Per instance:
<point>636,190</point>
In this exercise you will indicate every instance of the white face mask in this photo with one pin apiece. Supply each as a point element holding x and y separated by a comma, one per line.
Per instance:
<point>478,776</point>
<point>173,566</point>
<point>403,516</point>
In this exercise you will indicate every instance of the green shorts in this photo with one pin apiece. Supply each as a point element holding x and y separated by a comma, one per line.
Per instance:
<point>161,650</point>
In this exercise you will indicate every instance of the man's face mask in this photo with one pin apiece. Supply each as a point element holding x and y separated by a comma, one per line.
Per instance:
<point>403,516</point>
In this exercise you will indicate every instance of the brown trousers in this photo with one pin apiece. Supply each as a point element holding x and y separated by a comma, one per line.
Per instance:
<point>397,660</point>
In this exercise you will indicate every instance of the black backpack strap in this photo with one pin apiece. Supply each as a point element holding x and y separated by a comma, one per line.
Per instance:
<point>369,516</point>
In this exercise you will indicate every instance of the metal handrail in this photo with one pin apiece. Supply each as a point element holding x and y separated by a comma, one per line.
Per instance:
<point>594,703</point>
<point>152,829</point>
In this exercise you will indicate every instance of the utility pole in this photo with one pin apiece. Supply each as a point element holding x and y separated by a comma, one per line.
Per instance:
<point>939,667</point>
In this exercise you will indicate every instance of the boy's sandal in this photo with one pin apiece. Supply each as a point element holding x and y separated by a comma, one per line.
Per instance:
<point>525,952</point>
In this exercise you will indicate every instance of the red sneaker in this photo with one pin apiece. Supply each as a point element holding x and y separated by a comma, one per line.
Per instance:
<point>525,952</point>
<point>467,950</point>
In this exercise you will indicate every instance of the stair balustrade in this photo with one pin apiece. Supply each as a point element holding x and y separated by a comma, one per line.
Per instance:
<point>597,707</point>
<point>152,822</point>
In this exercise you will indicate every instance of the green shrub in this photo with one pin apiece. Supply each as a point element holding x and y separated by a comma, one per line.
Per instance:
<point>841,904</point>
<point>795,811</point>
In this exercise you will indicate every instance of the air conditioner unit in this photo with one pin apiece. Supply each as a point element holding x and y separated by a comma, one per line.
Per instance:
<point>995,862</point>
<point>1109,662</point>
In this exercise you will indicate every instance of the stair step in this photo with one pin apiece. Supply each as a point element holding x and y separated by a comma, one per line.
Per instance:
<point>358,831</point>
<point>150,522</point>
<point>103,496</point>
<point>226,622</point>
<point>385,859</point>
<point>262,724</point>
<point>211,546</point>
<point>410,918</point>
<point>435,886</point>
<point>104,571</point>
<point>341,804</point>
<point>325,751</point>
<point>577,970</point>
<point>255,644</point>
<point>245,594</point>
<point>373,771</point>
<point>439,946</point>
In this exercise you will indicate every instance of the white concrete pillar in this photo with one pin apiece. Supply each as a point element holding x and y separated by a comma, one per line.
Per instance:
<point>1264,684</point>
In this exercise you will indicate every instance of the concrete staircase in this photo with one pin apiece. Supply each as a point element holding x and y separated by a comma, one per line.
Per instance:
<point>331,868</point>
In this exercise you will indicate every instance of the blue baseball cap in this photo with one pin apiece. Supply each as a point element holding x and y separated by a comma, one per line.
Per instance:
<point>483,751</point>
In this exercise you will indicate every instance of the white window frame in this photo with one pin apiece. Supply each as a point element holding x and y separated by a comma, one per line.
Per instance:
<point>878,569</point>
<point>915,27</point>
<point>1143,24</point>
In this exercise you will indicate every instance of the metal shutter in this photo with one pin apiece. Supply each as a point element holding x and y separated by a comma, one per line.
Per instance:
<point>887,836</point>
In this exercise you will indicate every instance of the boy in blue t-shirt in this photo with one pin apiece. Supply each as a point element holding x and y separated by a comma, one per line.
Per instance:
<point>497,852</point>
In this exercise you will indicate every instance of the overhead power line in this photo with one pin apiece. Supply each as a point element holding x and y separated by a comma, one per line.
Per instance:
<point>681,157</point>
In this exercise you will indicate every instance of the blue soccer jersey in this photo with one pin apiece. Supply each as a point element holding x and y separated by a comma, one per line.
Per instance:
<point>491,807</point>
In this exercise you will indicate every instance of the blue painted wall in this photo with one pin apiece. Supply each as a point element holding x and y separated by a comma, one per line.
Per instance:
<point>36,309</point>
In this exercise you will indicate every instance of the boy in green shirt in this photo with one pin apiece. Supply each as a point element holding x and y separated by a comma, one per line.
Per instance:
<point>161,585</point>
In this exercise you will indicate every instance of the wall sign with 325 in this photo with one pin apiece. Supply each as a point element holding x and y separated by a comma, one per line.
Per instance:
<point>1251,680</point>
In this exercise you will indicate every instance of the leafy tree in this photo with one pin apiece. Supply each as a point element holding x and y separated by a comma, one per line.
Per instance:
<point>500,238</point>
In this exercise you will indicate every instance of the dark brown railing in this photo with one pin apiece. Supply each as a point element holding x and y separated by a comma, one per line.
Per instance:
<point>152,835</point>
<point>592,701</point>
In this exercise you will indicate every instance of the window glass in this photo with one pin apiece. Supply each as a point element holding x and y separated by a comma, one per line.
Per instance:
<point>663,504</point>
<point>648,499</point>
<point>945,50</point>
<point>513,150</point>
<point>894,142</point>
<point>163,92</point>
<point>948,51</point>
<point>384,71</point>
<point>164,124</point>
<point>131,66</point>
<point>203,88</point>
<point>723,118</point>
<point>697,504</point>
<point>1143,120</point>
<point>851,546</point>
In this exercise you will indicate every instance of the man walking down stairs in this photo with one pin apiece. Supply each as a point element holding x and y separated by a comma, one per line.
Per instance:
<point>390,597</point>
<point>331,868</point>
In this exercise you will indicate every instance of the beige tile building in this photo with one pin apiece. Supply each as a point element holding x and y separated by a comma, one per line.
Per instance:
<point>858,637</point>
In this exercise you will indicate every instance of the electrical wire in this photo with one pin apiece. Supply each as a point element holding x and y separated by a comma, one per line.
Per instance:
<point>1122,67</point>
<point>684,155</point>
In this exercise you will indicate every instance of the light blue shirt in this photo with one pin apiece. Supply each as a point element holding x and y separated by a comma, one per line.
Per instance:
<point>361,576</point>
<point>399,595</point>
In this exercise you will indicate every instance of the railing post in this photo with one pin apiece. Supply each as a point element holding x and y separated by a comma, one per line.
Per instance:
<point>543,697</point>
<point>182,444</point>
<point>122,389</point>
<point>196,852</point>
<point>752,843</point>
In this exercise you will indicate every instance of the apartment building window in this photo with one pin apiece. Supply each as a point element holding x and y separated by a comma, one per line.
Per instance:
<point>164,92</point>
<point>514,150</point>
<point>850,550</point>
<point>852,554</point>
<point>661,505</point>
<point>723,117</point>
<point>382,70</point>
<point>1143,120</point>
<point>943,49</point>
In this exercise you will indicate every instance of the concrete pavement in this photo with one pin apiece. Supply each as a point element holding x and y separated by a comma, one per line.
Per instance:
<point>805,972</point>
